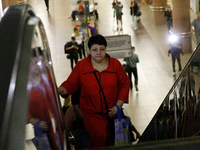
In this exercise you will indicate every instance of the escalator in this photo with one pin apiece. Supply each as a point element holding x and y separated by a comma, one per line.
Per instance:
<point>178,116</point>
<point>28,86</point>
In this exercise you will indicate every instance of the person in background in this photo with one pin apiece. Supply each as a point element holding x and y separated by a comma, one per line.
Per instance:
<point>72,49</point>
<point>168,14</point>
<point>98,69</point>
<point>92,28</point>
<point>196,25</point>
<point>74,123</point>
<point>139,6</point>
<point>47,4</point>
<point>79,38</point>
<point>93,10</point>
<point>118,10</point>
<point>176,49</point>
<point>80,10</point>
<point>83,38</point>
<point>134,9</point>
<point>132,64</point>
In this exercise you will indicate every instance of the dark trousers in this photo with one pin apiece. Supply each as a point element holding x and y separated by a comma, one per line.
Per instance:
<point>47,4</point>
<point>134,71</point>
<point>72,59</point>
<point>174,57</point>
<point>169,24</point>
<point>83,48</point>
<point>96,14</point>
<point>74,13</point>
<point>79,51</point>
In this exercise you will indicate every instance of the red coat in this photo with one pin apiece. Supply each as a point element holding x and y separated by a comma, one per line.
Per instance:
<point>115,84</point>
<point>41,102</point>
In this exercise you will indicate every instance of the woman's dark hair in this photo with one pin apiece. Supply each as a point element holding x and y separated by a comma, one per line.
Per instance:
<point>97,39</point>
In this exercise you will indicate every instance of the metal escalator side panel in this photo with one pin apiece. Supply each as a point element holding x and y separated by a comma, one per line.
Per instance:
<point>14,36</point>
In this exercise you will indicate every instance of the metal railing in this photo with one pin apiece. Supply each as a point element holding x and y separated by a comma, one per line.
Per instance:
<point>22,2</point>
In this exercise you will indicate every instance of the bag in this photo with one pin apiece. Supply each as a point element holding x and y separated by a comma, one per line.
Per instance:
<point>65,51</point>
<point>68,56</point>
<point>121,13</point>
<point>122,136</point>
<point>132,137</point>
<point>126,67</point>
<point>40,140</point>
<point>138,13</point>
<point>111,124</point>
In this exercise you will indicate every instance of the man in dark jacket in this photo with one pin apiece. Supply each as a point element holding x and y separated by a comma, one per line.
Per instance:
<point>71,48</point>
<point>176,49</point>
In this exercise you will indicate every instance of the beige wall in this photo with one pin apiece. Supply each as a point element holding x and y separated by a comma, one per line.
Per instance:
<point>169,1</point>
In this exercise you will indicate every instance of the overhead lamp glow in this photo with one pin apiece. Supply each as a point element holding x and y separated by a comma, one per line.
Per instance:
<point>173,38</point>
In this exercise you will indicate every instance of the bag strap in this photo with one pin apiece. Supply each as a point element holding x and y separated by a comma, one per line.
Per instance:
<point>119,113</point>
<point>102,91</point>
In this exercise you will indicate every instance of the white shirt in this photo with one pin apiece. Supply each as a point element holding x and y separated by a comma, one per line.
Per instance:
<point>92,7</point>
<point>78,38</point>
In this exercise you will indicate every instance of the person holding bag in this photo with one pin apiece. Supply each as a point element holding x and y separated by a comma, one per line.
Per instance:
<point>104,84</point>
<point>134,10</point>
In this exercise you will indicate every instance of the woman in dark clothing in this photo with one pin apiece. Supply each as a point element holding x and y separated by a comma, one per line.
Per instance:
<point>47,4</point>
<point>168,14</point>
<point>134,9</point>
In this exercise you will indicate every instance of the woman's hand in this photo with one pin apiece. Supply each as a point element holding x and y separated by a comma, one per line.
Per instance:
<point>62,91</point>
<point>112,112</point>
<point>44,126</point>
<point>138,135</point>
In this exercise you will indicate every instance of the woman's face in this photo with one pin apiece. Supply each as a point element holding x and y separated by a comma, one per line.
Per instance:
<point>97,52</point>
<point>34,68</point>
<point>91,21</point>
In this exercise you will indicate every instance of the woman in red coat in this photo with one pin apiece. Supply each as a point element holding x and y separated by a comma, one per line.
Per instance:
<point>43,111</point>
<point>114,82</point>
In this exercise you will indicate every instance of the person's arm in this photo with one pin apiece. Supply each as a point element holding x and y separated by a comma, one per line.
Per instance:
<point>135,130</point>
<point>80,8</point>
<point>89,32</point>
<point>43,125</point>
<point>84,36</point>
<point>62,92</point>
<point>120,5</point>
<point>169,51</point>
<point>192,27</point>
<point>137,59</point>
<point>179,44</point>
<point>165,12</point>
<point>113,111</point>
<point>77,111</point>
<point>76,46</point>
<point>98,31</point>
<point>68,48</point>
